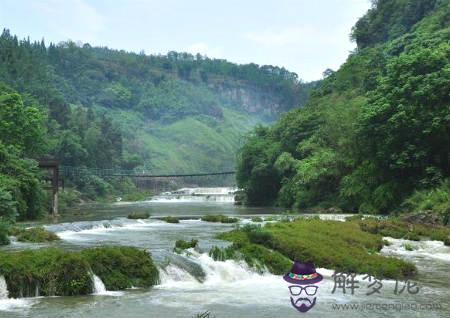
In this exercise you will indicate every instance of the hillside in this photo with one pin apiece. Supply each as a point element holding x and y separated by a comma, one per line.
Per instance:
<point>174,112</point>
<point>375,136</point>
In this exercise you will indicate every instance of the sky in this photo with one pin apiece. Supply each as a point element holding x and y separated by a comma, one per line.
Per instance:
<point>304,36</point>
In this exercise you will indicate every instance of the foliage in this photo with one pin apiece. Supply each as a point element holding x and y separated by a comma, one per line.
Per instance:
<point>33,235</point>
<point>121,267</point>
<point>219,218</point>
<point>330,244</point>
<point>389,19</point>
<point>8,210</point>
<point>138,215</point>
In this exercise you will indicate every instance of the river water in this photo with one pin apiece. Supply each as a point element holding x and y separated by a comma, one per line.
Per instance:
<point>194,283</point>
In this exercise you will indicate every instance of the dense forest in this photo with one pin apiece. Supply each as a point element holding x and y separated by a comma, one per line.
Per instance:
<point>93,107</point>
<point>375,136</point>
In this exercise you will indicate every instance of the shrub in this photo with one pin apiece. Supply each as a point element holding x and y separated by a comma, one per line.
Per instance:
<point>138,215</point>
<point>171,219</point>
<point>219,218</point>
<point>257,219</point>
<point>121,267</point>
<point>183,245</point>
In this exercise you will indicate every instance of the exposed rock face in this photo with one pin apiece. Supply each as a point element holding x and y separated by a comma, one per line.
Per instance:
<point>252,99</point>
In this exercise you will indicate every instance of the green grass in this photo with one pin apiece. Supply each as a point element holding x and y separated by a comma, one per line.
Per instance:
<point>342,246</point>
<point>138,215</point>
<point>57,272</point>
<point>171,219</point>
<point>33,235</point>
<point>219,218</point>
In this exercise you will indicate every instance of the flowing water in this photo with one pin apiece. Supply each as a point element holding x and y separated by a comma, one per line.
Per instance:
<point>194,282</point>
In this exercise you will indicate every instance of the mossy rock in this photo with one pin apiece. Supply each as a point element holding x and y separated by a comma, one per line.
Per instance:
<point>256,219</point>
<point>138,215</point>
<point>219,218</point>
<point>34,235</point>
<point>56,272</point>
<point>183,245</point>
<point>171,219</point>
<point>121,267</point>
<point>53,271</point>
<point>342,246</point>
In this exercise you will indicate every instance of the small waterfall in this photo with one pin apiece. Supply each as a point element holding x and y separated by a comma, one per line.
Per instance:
<point>215,273</point>
<point>99,287</point>
<point>223,195</point>
<point>3,288</point>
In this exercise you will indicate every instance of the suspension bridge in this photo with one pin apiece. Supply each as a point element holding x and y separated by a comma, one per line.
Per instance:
<point>135,173</point>
<point>157,182</point>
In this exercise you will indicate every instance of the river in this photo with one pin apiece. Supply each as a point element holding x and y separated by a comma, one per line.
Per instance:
<point>194,283</point>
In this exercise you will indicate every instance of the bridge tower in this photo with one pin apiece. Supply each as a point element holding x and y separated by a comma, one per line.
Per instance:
<point>52,167</point>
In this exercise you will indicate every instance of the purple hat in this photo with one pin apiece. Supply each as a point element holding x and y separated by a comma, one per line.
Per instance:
<point>303,274</point>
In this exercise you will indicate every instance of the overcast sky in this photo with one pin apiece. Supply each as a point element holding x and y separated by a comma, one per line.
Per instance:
<point>305,36</point>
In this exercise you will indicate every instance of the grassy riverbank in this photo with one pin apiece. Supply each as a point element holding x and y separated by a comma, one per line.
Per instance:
<point>55,272</point>
<point>342,246</point>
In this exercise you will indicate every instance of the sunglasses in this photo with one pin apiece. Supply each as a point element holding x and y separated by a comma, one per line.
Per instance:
<point>297,290</point>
